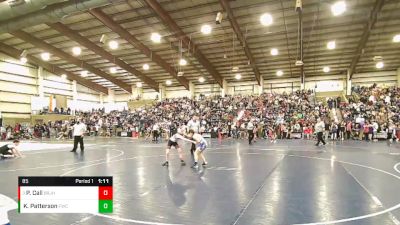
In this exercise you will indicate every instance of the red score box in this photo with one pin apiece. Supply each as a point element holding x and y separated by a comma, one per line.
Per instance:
<point>105,193</point>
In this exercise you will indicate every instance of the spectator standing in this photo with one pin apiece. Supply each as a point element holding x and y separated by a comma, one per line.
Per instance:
<point>366,131</point>
<point>334,129</point>
<point>342,129</point>
<point>250,131</point>
<point>375,128</point>
<point>327,130</point>
<point>349,129</point>
<point>391,131</point>
<point>155,130</point>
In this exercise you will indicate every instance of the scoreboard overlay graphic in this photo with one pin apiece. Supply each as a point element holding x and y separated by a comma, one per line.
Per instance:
<point>65,195</point>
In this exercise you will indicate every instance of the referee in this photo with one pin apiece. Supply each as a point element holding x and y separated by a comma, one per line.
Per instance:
<point>319,129</point>
<point>250,130</point>
<point>79,130</point>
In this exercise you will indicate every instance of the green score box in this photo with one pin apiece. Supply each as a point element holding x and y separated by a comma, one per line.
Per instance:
<point>105,206</point>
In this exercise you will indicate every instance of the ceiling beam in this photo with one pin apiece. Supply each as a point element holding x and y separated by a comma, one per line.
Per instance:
<point>71,59</point>
<point>225,5</point>
<point>373,17</point>
<point>299,9</point>
<point>75,36</point>
<point>50,14</point>
<point>179,34</point>
<point>16,53</point>
<point>115,27</point>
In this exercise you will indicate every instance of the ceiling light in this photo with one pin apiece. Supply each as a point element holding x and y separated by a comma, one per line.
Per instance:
<point>146,66</point>
<point>326,69</point>
<point>338,8</point>
<point>379,65</point>
<point>299,63</point>
<point>182,62</point>
<point>235,69</point>
<point>206,29</point>
<point>23,60</point>
<point>14,3</point>
<point>266,19</point>
<point>84,73</point>
<point>24,53</point>
<point>156,37</point>
<point>113,70</point>
<point>103,39</point>
<point>396,38</point>
<point>180,73</point>
<point>377,58</point>
<point>274,51</point>
<point>201,79</point>
<point>218,19</point>
<point>139,84</point>
<point>76,51</point>
<point>331,45</point>
<point>45,56</point>
<point>279,73</point>
<point>113,44</point>
<point>238,76</point>
<point>168,82</point>
<point>63,76</point>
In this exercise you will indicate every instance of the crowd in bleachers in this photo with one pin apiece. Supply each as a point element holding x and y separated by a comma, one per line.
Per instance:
<point>376,111</point>
<point>56,110</point>
<point>371,112</point>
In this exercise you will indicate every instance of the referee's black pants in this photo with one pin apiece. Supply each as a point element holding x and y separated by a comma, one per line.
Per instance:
<point>155,135</point>
<point>320,138</point>
<point>251,136</point>
<point>78,139</point>
<point>192,150</point>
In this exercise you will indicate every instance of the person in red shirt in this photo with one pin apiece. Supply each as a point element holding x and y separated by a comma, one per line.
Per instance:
<point>17,128</point>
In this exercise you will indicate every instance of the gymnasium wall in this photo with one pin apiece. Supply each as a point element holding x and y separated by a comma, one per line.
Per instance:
<point>283,84</point>
<point>207,89</point>
<point>18,82</point>
<point>274,85</point>
<point>242,88</point>
<point>171,92</point>
<point>280,84</point>
<point>384,78</point>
